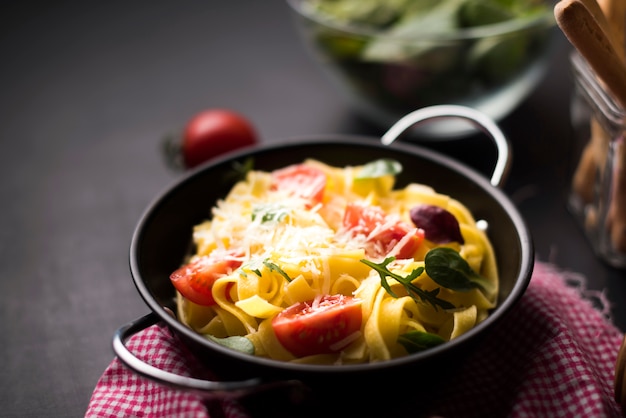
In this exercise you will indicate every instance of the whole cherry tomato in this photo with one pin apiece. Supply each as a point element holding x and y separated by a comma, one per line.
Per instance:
<point>213,132</point>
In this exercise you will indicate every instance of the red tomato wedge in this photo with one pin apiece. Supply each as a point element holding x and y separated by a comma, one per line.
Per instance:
<point>318,326</point>
<point>384,235</point>
<point>301,180</point>
<point>195,280</point>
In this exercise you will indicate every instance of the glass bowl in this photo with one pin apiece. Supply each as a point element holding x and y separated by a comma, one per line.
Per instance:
<point>387,65</point>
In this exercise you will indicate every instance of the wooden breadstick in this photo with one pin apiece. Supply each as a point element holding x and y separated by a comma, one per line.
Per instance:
<point>598,11</point>
<point>615,12</point>
<point>616,217</point>
<point>591,163</point>
<point>588,34</point>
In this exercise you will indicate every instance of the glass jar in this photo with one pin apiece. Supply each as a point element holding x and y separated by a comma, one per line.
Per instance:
<point>597,197</point>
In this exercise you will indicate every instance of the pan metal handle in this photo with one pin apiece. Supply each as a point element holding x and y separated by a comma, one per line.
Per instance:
<point>477,118</point>
<point>204,388</point>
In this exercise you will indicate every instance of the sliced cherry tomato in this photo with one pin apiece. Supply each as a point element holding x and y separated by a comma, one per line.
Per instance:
<point>317,326</point>
<point>382,232</point>
<point>195,280</point>
<point>301,180</point>
<point>213,132</point>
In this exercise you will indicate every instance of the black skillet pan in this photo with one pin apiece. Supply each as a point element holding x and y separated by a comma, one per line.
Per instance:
<point>162,239</point>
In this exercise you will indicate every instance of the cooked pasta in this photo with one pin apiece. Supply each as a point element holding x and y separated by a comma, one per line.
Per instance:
<point>326,265</point>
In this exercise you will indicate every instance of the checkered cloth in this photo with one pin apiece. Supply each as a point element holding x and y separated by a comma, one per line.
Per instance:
<point>553,356</point>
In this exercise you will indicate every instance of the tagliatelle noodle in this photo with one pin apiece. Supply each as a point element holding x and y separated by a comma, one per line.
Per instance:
<point>463,321</point>
<point>389,318</point>
<point>303,243</point>
<point>222,298</point>
<point>267,345</point>
<point>375,330</point>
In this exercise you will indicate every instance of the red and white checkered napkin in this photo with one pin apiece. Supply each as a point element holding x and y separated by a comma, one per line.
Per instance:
<point>122,393</point>
<point>554,355</point>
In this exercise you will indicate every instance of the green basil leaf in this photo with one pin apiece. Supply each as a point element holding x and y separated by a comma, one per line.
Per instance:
<point>237,343</point>
<point>416,341</point>
<point>380,168</point>
<point>448,269</point>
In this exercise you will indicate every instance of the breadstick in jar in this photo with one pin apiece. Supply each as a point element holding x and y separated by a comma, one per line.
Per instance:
<point>616,216</point>
<point>615,12</point>
<point>591,162</point>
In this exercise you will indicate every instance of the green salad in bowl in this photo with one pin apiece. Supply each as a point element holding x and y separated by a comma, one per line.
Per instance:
<point>394,56</point>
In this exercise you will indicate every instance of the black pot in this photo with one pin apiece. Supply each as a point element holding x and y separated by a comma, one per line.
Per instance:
<point>163,235</point>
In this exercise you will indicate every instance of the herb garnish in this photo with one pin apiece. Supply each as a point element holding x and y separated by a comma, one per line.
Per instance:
<point>448,269</point>
<point>239,170</point>
<point>414,291</point>
<point>276,268</point>
<point>237,343</point>
<point>270,213</point>
<point>254,267</point>
<point>415,341</point>
<point>445,266</point>
<point>379,168</point>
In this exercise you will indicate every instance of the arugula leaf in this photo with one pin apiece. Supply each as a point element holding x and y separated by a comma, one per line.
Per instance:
<point>447,268</point>
<point>379,168</point>
<point>416,341</point>
<point>254,266</point>
<point>276,268</point>
<point>415,292</point>
<point>237,343</point>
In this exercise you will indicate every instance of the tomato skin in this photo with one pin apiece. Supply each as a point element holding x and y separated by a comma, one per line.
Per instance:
<point>309,328</point>
<point>382,232</point>
<point>195,280</point>
<point>213,132</point>
<point>301,180</point>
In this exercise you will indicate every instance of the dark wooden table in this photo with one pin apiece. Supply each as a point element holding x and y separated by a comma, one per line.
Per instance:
<point>87,92</point>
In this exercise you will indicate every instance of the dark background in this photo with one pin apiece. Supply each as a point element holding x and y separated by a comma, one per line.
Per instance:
<point>87,92</point>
